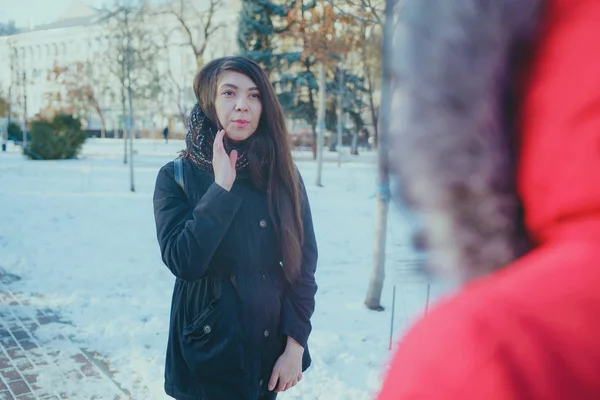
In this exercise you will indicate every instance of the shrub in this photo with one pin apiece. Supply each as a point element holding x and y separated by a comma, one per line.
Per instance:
<point>61,138</point>
<point>15,132</point>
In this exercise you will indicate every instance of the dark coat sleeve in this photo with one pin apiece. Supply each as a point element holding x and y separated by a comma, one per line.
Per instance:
<point>189,237</point>
<point>299,299</point>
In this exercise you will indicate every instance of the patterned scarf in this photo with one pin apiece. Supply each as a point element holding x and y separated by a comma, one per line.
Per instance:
<point>199,142</point>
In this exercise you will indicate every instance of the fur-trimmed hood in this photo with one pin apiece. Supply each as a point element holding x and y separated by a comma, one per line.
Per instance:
<point>495,129</point>
<point>455,70</point>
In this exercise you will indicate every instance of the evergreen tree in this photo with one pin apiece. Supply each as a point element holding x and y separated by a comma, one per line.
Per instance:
<point>261,23</point>
<point>255,32</point>
<point>277,35</point>
<point>8,28</point>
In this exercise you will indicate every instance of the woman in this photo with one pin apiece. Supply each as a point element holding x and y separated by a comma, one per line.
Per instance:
<point>239,239</point>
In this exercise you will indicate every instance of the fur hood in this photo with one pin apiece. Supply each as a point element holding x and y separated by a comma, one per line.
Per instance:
<point>457,67</point>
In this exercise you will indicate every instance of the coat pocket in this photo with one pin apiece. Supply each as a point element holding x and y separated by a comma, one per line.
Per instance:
<point>201,327</point>
<point>212,345</point>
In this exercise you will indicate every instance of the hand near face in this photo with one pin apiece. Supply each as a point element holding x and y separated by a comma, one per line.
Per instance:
<point>223,164</point>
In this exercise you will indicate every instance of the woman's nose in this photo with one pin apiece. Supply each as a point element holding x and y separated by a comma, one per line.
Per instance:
<point>241,105</point>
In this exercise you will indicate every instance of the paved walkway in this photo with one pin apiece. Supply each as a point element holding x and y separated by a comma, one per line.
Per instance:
<point>37,364</point>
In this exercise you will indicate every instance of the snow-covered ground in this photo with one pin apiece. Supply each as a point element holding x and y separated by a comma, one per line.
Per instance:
<point>85,245</point>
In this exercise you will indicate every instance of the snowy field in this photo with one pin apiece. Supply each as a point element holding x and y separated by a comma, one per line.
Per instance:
<point>85,245</point>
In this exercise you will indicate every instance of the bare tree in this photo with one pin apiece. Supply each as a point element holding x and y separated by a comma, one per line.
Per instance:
<point>370,60</point>
<point>196,25</point>
<point>177,84</point>
<point>132,56</point>
<point>373,299</point>
<point>321,33</point>
<point>83,90</point>
<point>371,10</point>
<point>185,26</point>
<point>11,71</point>
<point>376,18</point>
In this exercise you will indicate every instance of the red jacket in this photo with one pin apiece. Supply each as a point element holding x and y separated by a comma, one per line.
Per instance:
<point>532,329</point>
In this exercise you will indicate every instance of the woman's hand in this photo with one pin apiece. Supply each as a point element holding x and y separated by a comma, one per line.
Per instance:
<point>223,164</point>
<point>288,368</point>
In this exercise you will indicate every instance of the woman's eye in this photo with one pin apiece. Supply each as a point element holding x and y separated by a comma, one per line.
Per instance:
<point>255,95</point>
<point>228,93</point>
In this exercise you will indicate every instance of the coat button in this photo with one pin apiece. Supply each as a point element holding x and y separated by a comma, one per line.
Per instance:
<point>207,329</point>
<point>263,223</point>
<point>266,333</point>
<point>263,277</point>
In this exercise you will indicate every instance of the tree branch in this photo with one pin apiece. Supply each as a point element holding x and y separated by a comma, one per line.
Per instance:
<point>363,4</point>
<point>187,31</point>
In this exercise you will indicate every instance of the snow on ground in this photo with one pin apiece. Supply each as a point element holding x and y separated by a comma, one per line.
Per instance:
<point>85,245</point>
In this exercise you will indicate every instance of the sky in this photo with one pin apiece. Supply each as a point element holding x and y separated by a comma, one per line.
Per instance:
<point>39,11</point>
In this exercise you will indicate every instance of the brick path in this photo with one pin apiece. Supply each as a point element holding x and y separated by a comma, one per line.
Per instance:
<point>37,363</point>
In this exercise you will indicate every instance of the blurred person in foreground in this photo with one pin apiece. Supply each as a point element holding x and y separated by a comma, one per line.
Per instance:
<point>496,145</point>
<point>239,239</point>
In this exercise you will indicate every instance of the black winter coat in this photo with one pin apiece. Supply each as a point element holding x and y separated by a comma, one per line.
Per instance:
<point>219,242</point>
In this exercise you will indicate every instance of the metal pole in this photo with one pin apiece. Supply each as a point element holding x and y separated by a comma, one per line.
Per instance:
<point>340,114</point>
<point>392,323</point>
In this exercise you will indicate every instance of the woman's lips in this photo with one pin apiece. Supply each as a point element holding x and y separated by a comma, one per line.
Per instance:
<point>240,123</point>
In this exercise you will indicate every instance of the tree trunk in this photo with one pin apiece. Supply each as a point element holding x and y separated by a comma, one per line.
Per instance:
<point>129,98</point>
<point>131,136</point>
<point>311,102</point>
<point>102,124</point>
<point>373,300</point>
<point>321,123</point>
<point>123,120</point>
<point>374,116</point>
<point>340,113</point>
<point>8,101</point>
<point>313,144</point>
<point>354,147</point>
<point>369,77</point>
<point>124,133</point>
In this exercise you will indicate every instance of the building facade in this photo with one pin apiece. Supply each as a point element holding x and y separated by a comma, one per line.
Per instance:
<point>85,43</point>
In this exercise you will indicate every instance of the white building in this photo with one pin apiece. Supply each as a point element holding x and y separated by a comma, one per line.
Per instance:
<point>80,36</point>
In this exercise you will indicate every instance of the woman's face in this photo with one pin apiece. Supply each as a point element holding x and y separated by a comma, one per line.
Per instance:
<point>238,105</point>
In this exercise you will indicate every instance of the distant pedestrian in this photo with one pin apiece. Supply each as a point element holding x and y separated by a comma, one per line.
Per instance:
<point>166,134</point>
<point>364,139</point>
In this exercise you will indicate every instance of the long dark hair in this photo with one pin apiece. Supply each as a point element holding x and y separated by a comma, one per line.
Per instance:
<point>269,155</point>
